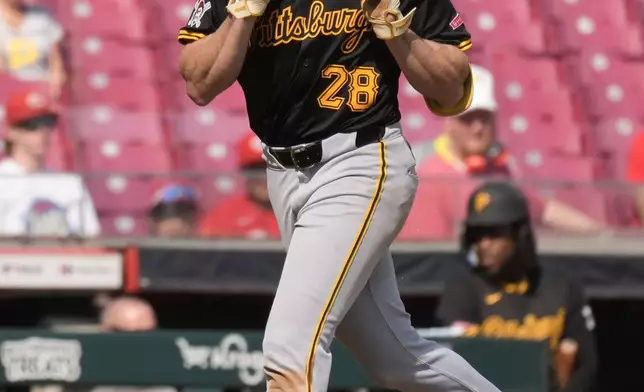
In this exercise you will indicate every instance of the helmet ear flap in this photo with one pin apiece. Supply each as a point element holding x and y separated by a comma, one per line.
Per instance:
<point>467,249</point>
<point>466,241</point>
<point>466,245</point>
<point>526,246</point>
<point>523,234</point>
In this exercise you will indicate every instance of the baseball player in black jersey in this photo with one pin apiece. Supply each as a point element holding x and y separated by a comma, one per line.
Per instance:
<point>321,82</point>
<point>510,295</point>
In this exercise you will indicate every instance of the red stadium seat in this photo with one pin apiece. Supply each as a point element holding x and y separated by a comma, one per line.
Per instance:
<point>207,124</point>
<point>124,225</point>
<point>529,37</point>
<point>591,24</point>
<point>502,24</point>
<point>598,67</point>
<point>118,19</point>
<point>514,74</point>
<point>612,87</point>
<point>525,131</point>
<point>118,193</point>
<point>111,156</point>
<point>620,98</point>
<point>167,56</point>
<point>210,157</point>
<point>99,123</point>
<point>213,188</point>
<point>174,16</point>
<point>613,12</point>
<point>585,199</point>
<point>544,120</point>
<point>537,165</point>
<point>92,54</point>
<point>517,11</point>
<point>125,93</point>
<point>614,136</point>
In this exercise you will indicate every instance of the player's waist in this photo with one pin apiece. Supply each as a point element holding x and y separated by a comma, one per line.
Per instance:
<point>307,155</point>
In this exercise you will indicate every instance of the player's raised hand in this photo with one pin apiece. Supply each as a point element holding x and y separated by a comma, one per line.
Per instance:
<point>385,17</point>
<point>246,8</point>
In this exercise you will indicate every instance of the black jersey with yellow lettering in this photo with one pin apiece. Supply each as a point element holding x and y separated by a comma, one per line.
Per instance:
<point>548,306</point>
<point>315,68</point>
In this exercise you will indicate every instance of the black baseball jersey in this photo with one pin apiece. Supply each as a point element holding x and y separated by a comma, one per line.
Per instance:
<point>551,306</point>
<point>315,68</point>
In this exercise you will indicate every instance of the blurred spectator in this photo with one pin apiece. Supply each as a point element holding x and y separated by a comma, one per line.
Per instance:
<point>451,165</point>
<point>247,215</point>
<point>174,211</point>
<point>128,314</point>
<point>509,294</point>
<point>34,201</point>
<point>635,174</point>
<point>30,45</point>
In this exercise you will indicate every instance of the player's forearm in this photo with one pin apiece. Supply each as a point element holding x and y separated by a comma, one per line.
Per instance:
<point>212,64</point>
<point>435,70</point>
<point>583,378</point>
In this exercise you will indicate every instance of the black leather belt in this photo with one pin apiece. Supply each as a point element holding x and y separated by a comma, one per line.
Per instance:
<point>304,156</point>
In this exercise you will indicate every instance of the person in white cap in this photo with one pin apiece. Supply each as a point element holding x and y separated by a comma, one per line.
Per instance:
<point>451,165</point>
<point>470,134</point>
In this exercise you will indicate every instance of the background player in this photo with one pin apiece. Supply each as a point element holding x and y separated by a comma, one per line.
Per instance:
<point>321,83</point>
<point>509,294</point>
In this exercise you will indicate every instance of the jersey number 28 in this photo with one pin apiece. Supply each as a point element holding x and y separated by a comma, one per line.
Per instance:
<point>362,87</point>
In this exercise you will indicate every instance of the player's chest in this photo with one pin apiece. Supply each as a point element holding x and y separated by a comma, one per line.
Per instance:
<point>296,21</point>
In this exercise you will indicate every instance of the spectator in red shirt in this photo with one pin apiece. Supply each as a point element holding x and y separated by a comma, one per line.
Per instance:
<point>247,215</point>
<point>174,211</point>
<point>635,174</point>
<point>453,164</point>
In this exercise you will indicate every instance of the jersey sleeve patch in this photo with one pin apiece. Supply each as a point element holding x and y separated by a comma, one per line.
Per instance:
<point>204,20</point>
<point>438,20</point>
<point>456,22</point>
<point>461,106</point>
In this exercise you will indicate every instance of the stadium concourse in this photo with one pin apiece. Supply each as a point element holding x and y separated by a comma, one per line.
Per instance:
<point>569,95</point>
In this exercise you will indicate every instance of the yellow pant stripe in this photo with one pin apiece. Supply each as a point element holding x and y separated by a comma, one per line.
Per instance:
<point>346,266</point>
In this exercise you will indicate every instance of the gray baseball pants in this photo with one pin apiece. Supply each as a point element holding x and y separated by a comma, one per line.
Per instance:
<point>337,221</point>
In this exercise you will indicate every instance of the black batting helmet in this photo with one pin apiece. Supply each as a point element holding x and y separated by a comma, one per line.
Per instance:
<point>496,204</point>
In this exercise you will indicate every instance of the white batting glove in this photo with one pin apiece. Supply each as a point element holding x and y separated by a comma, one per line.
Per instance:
<point>385,17</point>
<point>246,8</point>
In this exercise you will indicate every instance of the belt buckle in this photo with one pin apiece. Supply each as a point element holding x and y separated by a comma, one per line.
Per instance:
<point>296,150</point>
<point>293,150</point>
